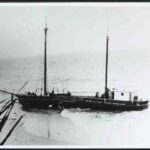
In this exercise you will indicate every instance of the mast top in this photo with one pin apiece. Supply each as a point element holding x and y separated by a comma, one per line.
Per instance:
<point>45,29</point>
<point>107,31</point>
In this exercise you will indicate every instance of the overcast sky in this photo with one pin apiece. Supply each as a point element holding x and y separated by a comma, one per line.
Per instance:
<point>72,28</point>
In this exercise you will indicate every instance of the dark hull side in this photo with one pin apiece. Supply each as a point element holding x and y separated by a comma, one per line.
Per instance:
<point>45,102</point>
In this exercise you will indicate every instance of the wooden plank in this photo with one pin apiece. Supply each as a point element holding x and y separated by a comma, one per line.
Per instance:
<point>11,130</point>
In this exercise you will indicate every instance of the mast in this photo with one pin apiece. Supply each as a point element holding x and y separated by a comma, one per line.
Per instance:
<point>106,69</point>
<point>45,60</point>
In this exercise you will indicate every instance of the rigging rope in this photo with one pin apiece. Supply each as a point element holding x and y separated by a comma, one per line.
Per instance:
<point>22,86</point>
<point>55,81</point>
<point>38,84</point>
<point>30,71</point>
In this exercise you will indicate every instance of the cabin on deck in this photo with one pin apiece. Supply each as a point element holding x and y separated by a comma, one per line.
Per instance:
<point>120,95</point>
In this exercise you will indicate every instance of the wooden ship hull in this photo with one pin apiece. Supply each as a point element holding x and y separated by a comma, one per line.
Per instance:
<point>47,102</point>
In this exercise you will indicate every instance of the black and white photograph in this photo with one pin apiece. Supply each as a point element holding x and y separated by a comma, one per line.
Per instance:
<point>75,75</point>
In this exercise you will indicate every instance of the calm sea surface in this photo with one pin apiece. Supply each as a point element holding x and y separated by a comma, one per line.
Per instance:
<point>83,74</point>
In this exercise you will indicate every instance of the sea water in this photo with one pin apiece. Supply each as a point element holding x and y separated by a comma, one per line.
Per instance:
<point>83,74</point>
